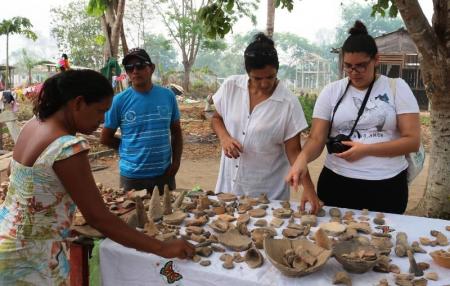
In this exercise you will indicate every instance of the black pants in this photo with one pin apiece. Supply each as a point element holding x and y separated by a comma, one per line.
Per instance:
<point>149,183</point>
<point>389,195</point>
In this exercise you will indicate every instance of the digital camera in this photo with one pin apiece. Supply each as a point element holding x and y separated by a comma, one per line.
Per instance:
<point>334,144</point>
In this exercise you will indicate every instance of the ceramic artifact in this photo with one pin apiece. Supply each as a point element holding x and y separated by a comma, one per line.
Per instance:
<point>219,225</point>
<point>361,227</point>
<point>333,228</point>
<point>335,212</point>
<point>401,244</point>
<point>355,257</point>
<point>167,206</point>
<point>259,234</point>
<point>205,262</point>
<point>291,233</point>
<point>417,248</point>
<point>243,218</point>
<point>262,199</point>
<point>342,277</point>
<point>253,258</point>
<point>441,239</point>
<point>260,223</point>
<point>197,221</point>
<point>413,267</point>
<point>441,257</point>
<point>432,276</point>
<point>155,210</point>
<point>276,222</point>
<point>282,213</point>
<point>226,217</point>
<point>226,197</point>
<point>257,213</point>
<point>305,256</point>
<point>175,218</point>
<point>309,220</point>
<point>321,239</point>
<point>235,241</point>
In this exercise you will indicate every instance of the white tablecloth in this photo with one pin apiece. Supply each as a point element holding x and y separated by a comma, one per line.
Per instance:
<point>125,266</point>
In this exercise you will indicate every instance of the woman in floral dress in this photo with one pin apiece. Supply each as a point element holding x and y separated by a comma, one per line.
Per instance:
<point>50,176</point>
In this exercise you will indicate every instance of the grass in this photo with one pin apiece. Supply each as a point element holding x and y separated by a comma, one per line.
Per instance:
<point>425,120</point>
<point>307,103</point>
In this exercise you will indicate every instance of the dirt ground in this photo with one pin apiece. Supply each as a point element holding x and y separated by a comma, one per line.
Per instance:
<point>201,156</point>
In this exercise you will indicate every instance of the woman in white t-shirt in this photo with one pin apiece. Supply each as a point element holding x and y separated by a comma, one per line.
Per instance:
<point>258,122</point>
<point>365,166</point>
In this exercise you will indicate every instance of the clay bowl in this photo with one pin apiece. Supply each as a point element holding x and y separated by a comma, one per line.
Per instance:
<point>342,253</point>
<point>275,249</point>
<point>441,257</point>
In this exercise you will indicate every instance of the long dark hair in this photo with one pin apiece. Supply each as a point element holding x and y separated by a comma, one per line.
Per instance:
<point>360,41</point>
<point>260,53</point>
<point>63,87</point>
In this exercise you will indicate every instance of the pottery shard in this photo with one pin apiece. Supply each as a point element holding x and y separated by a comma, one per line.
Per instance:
<point>243,218</point>
<point>333,228</point>
<point>234,240</point>
<point>205,251</point>
<point>262,199</point>
<point>238,258</point>
<point>291,233</point>
<point>155,210</point>
<point>335,212</point>
<point>194,229</point>
<point>378,221</point>
<point>361,227</point>
<point>417,248</point>
<point>342,277</point>
<point>260,223</point>
<point>282,213</point>
<point>309,220</point>
<point>167,205</point>
<point>175,218</point>
<point>196,258</point>
<point>226,197</point>
<point>257,213</point>
<point>322,240</point>
<point>150,228</point>
<point>198,221</point>
<point>226,217</point>
<point>219,210</point>
<point>217,248</point>
<point>205,262</point>
<point>219,225</point>
<point>432,276</point>
<point>441,239</point>
<point>253,258</point>
<point>276,222</point>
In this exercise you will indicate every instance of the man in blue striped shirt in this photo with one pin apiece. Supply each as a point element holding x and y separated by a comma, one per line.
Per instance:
<point>151,143</point>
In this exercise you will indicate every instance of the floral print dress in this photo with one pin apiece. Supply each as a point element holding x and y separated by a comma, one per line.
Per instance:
<point>35,219</point>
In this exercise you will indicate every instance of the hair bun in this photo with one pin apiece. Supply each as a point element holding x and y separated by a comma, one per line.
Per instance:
<point>262,38</point>
<point>358,29</point>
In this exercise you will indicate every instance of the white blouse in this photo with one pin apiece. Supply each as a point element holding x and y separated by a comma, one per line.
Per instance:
<point>263,164</point>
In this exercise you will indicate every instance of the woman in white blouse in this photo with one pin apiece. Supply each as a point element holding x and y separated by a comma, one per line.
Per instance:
<point>258,122</point>
<point>368,123</point>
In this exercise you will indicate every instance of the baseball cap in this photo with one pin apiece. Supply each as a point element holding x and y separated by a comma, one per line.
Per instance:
<point>136,53</point>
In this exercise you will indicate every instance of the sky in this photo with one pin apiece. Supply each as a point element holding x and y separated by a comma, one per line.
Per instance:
<point>311,19</point>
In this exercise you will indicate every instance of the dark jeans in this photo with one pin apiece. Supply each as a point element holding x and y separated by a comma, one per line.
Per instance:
<point>389,195</point>
<point>149,183</point>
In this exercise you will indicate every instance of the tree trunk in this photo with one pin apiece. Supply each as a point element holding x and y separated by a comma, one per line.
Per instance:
<point>107,45</point>
<point>187,74</point>
<point>123,39</point>
<point>7,63</point>
<point>29,76</point>
<point>270,25</point>
<point>433,44</point>
<point>116,27</point>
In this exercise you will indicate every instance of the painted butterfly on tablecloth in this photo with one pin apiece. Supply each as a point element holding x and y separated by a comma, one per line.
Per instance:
<point>169,273</point>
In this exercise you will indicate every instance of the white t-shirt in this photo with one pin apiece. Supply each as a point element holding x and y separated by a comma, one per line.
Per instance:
<point>262,166</point>
<point>378,123</point>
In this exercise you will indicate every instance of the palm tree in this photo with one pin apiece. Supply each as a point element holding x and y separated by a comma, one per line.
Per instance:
<point>270,18</point>
<point>15,25</point>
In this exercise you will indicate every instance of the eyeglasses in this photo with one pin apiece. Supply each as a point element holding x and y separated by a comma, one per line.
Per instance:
<point>359,68</point>
<point>139,66</point>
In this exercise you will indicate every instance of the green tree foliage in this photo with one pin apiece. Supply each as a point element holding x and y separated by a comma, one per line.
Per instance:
<point>376,24</point>
<point>19,26</point>
<point>78,34</point>
<point>218,17</point>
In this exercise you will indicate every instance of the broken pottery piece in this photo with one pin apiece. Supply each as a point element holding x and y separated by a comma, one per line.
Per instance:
<point>379,221</point>
<point>364,212</point>
<point>335,212</point>
<point>238,258</point>
<point>243,208</point>
<point>321,239</point>
<point>262,199</point>
<point>179,199</point>
<point>432,276</point>
<point>205,262</point>
<point>259,234</point>
<point>309,220</point>
<point>361,227</point>
<point>413,267</point>
<point>226,197</point>
<point>321,213</point>
<point>243,218</point>
<point>291,233</point>
<point>253,258</point>
<point>219,210</point>
<point>441,239</point>
<point>260,223</point>
<point>404,279</point>
<point>401,244</point>
<point>234,240</point>
<point>217,248</point>
<point>383,244</point>
<point>226,217</point>
<point>342,277</point>
<point>285,204</point>
<point>167,206</point>
<point>228,262</point>
<point>219,225</point>
<point>423,265</point>
<point>276,222</point>
<point>194,229</point>
<point>150,228</point>
<point>417,248</point>
<point>155,210</point>
<point>333,228</point>
<point>257,213</point>
<point>205,251</point>
<point>282,213</point>
<point>197,221</point>
<point>308,256</point>
<point>175,218</point>
<point>196,258</point>
<point>355,257</point>
<point>441,257</point>
<point>242,227</point>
